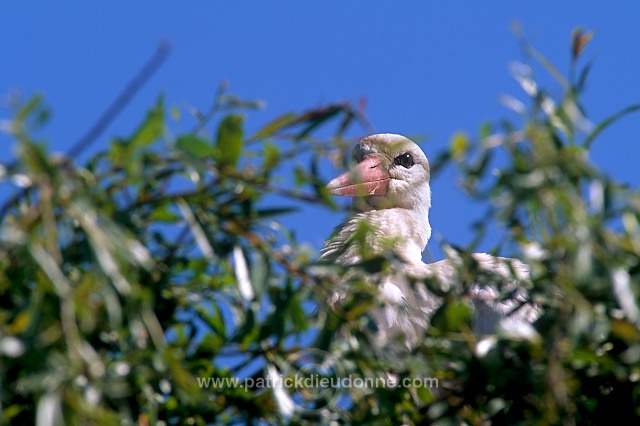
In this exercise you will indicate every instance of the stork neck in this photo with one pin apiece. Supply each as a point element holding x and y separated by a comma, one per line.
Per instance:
<point>410,228</point>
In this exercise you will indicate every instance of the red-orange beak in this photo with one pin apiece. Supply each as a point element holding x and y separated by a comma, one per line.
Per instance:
<point>367,178</point>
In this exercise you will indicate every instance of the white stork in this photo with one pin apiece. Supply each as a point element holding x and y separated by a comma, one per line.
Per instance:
<point>391,192</point>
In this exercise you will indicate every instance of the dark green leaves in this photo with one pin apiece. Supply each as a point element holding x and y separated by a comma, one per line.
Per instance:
<point>126,279</point>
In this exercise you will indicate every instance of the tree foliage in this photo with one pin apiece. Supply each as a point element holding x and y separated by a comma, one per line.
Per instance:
<point>164,260</point>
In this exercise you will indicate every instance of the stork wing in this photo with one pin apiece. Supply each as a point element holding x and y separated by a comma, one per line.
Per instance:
<point>492,310</point>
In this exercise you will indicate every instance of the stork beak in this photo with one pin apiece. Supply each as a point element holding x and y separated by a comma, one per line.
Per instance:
<point>368,177</point>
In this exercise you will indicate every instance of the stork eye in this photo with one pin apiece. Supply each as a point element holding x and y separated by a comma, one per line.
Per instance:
<point>404,160</point>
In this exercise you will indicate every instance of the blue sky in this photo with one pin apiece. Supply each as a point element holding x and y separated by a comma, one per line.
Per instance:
<point>427,68</point>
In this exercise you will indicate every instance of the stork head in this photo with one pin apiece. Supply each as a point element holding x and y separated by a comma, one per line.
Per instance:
<point>391,172</point>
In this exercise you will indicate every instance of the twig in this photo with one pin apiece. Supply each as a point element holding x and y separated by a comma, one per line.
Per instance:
<point>152,65</point>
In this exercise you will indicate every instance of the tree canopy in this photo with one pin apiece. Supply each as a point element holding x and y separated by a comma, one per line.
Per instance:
<point>133,283</point>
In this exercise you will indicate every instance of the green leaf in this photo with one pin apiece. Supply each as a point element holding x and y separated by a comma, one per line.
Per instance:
<point>275,125</point>
<point>271,156</point>
<point>11,411</point>
<point>452,315</point>
<point>163,214</point>
<point>152,128</point>
<point>300,176</point>
<point>259,273</point>
<point>297,314</point>
<point>318,117</point>
<point>118,152</point>
<point>28,108</point>
<point>609,121</point>
<point>194,146</point>
<point>175,113</point>
<point>230,139</point>
<point>459,145</point>
<point>425,394</point>
<point>35,157</point>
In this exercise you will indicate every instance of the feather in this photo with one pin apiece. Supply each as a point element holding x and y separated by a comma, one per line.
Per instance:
<point>391,199</point>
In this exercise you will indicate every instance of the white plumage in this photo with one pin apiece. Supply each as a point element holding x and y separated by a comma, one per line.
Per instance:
<point>391,194</point>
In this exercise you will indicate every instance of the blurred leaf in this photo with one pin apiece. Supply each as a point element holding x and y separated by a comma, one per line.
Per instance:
<point>276,211</point>
<point>625,330</point>
<point>316,118</point>
<point>300,176</point>
<point>579,40</point>
<point>459,145</point>
<point>582,78</point>
<point>275,126</point>
<point>229,142</point>
<point>194,146</point>
<point>35,158</point>
<point>32,113</point>
<point>271,156</point>
<point>452,316</point>
<point>20,323</point>
<point>151,129</point>
<point>295,311</point>
<point>237,102</point>
<point>28,108</point>
<point>163,214</point>
<point>609,121</point>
